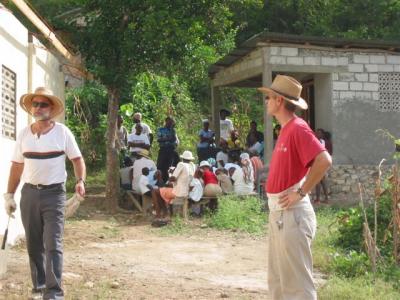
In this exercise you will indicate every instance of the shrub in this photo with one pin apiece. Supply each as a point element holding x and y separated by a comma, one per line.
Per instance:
<point>240,213</point>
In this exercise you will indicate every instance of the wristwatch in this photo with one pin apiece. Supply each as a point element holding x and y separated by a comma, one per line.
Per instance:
<point>301,192</point>
<point>81,179</point>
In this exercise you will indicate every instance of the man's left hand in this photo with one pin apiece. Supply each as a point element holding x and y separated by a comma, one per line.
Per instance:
<point>289,199</point>
<point>80,188</point>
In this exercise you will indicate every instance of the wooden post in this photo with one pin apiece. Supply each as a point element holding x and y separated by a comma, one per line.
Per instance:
<point>268,130</point>
<point>215,104</point>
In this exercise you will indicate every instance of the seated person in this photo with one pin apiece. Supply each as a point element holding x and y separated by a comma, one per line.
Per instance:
<point>211,186</point>
<point>180,180</point>
<point>142,161</point>
<point>144,187</point>
<point>256,162</point>
<point>234,142</point>
<point>247,167</point>
<point>207,138</point>
<point>241,185</point>
<point>138,141</point>
<point>222,156</point>
<point>196,191</point>
<point>155,179</point>
<point>126,174</point>
<point>224,181</point>
<point>254,136</point>
<point>256,146</point>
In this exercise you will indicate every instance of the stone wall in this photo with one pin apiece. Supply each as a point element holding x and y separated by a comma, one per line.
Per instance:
<point>343,182</point>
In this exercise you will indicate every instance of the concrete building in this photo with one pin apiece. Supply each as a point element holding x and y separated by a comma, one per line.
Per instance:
<point>352,87</point>
<point>25,64</point>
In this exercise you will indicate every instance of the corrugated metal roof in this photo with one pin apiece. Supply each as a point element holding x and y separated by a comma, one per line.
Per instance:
<point>272,37</point>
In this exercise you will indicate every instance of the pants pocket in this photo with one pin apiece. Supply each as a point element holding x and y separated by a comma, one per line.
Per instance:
<point>306,222</point>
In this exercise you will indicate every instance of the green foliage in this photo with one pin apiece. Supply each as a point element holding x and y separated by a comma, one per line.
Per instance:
<point>156,97</point>
<point>86,109</point>
<point>351,227</point>
<point>357,288</point>
<point>239,213</point>
<point>352,264</point>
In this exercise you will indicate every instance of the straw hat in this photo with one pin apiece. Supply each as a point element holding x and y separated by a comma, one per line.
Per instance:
<point>287,87</point>
<point>144,153</point>
<point>187,155</point>
<point>26,101</point>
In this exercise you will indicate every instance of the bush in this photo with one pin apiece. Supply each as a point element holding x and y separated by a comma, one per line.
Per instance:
<point>86,116</point>
<point>352,264</point>
<point>240,213</point>
<point>351,226</point>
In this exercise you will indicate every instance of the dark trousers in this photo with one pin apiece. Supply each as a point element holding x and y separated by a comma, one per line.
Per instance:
<point>167,157</point>
<point>42,212</point>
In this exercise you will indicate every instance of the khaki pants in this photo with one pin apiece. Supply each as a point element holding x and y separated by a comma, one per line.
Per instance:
<point>290,259</point>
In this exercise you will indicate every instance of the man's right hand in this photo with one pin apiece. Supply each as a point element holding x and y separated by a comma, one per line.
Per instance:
<point>10,204</point>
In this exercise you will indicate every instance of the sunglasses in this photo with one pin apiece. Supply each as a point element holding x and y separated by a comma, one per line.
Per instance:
<point>40,104</point>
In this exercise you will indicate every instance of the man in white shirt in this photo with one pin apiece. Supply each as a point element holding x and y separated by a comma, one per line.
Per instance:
<point>225,124</point>
<point>138,141</point>
<point>39,161</point>
<point>137,119</point>
<point>143,161</point>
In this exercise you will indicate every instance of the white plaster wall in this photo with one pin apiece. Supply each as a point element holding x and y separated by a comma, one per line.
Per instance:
<point>46,72</point>
<point>13,55</point>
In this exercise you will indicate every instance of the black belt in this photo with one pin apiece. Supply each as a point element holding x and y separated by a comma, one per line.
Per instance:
<point>44,186</point>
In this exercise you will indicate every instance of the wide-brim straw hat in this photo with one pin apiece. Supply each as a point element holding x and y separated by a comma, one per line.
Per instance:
<point>287,87</point>
<point>26,101</point>
<point>187,155</point>
<point>144,153</point>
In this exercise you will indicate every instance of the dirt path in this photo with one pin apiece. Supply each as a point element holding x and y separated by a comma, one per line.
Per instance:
<point>123,257</point>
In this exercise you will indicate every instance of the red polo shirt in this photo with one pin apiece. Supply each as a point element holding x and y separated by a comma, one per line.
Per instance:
<point>294,152</point>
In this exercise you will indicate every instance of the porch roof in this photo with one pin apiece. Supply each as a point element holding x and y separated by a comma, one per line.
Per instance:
<point>267,38</point>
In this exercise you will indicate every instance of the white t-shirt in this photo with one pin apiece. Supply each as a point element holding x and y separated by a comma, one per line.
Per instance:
<point>124,174</point>
<point>142,186</point>
<point>197,192</point>
<point>240,187</point>
<point>138,165</point>
<point>221,156</point>
<point>225,126</point>
<point>134,138</point>
<point>145,129</point>
<point>44,157</point>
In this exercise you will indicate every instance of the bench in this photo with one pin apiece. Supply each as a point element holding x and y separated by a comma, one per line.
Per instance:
<point>143,203</point>
<point>180,205</point>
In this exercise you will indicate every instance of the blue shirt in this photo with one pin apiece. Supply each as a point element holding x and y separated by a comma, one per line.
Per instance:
<point>207,134</point>
<point>168,135</point>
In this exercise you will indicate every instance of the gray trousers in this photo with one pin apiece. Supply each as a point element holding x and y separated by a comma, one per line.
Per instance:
<point>42,212</point>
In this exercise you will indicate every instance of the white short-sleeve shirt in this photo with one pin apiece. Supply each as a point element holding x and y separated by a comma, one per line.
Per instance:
<point>145,129</point>
<point>225,126</point>
<point>142,138</point>
<point>44,157</point>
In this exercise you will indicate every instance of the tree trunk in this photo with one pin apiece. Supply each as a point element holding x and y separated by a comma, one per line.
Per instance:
<point>112,170</point>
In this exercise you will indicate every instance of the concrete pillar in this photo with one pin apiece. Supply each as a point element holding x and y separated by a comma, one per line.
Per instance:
<point>268,131</point>
<point>215,106</point>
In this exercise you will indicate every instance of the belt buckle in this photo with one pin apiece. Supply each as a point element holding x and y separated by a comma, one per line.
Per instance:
<point>39,186</point>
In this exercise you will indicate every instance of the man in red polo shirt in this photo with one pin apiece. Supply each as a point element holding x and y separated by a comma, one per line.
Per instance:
<point>298,163</point>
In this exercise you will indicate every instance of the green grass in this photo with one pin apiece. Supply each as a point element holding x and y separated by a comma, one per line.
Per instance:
<point>361,286</point>
<point>176,227</point>
<point>95,179</point>
<point>239,213</point>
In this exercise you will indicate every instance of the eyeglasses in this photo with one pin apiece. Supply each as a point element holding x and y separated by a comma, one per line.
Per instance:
<point>40,104</point>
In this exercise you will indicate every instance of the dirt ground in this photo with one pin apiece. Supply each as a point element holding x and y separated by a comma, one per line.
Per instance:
<point>123,257</point>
